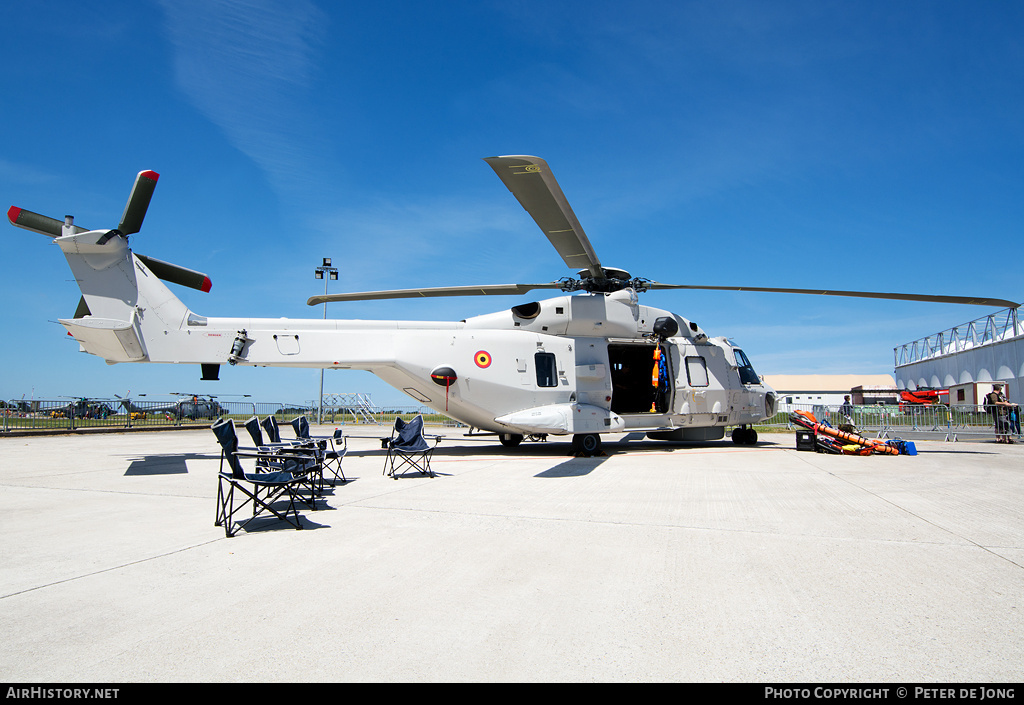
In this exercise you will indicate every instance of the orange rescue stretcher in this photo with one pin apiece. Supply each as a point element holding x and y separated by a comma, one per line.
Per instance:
<point>833,440</point>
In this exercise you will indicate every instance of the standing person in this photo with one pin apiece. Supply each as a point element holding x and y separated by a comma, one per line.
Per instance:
<point>999,407</point>
<point>846,415</point>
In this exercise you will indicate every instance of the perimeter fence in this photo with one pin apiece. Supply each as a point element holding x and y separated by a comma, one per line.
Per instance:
<point>72,415</point>
<point>937,420</point>
<point>892,421</point>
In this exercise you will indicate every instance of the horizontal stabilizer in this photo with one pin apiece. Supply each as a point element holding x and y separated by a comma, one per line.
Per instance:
<point>113,340</point>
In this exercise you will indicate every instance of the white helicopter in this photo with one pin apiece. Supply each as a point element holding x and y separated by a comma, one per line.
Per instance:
<point>589,362</point>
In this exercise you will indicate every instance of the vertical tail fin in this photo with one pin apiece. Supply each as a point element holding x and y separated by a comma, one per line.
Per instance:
<point>123,304</point>
<point>124,298</point>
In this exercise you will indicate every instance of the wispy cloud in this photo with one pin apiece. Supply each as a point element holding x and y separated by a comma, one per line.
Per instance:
<point>433,242</point>
<point>25,173</point>
<point>248,66</point>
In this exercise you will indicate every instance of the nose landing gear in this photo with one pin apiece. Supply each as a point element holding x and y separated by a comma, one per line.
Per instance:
<point>744,435</point>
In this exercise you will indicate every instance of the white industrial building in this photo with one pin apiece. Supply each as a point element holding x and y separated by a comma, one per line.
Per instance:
<point>967,359</point>
<point>804,391</point>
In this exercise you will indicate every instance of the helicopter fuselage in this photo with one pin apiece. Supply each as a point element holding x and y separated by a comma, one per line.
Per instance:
<point>580,364</point>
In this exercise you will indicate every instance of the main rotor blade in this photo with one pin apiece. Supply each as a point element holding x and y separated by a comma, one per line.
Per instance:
<point>978,301</point>
<point>138,202</point>
<point>486,290</point>
<point>530,180</point>
<point>42,224</point>
<point>176,274</point>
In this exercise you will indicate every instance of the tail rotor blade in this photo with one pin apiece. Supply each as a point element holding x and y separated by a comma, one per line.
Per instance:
<point>45,225</point>
<point>138,202</point>
<point>176,274</point>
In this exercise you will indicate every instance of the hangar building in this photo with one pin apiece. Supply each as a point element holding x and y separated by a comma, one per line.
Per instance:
<point>967,359</point>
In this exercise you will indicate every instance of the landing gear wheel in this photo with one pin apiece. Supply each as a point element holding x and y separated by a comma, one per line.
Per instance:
<point>510,440</point>
<point>744,436</point>
<point>586,444</point>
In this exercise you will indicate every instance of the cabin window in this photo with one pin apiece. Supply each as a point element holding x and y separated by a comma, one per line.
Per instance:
<point>697,371</point>
<point>547,373</point>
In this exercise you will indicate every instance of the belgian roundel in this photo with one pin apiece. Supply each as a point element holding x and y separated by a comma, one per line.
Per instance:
<point>482,359</point>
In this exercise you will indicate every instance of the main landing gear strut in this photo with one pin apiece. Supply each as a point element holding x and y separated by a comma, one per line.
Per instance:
<point>583,444</point>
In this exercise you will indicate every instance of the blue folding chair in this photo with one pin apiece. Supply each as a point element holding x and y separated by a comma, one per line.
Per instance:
<point>281,478</point>
<point>305,448</point>
<point>269,425</point>
<point>408,446</point>
<point>331,459</point>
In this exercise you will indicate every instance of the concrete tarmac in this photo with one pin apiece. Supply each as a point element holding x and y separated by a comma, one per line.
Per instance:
<point>655,562</point>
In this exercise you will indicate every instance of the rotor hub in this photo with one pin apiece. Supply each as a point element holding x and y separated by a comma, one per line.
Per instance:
<point>613,280</point>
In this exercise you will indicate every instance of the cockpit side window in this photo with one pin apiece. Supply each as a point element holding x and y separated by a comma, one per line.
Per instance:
<point>746,370</point>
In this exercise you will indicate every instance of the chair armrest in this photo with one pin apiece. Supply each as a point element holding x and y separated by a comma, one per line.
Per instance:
<point>269,459</point>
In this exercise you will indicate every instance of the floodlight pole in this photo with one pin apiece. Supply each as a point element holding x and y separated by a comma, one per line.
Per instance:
<point>332,273</point>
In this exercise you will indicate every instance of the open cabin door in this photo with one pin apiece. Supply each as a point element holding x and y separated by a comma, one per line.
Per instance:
<point>641,378</point>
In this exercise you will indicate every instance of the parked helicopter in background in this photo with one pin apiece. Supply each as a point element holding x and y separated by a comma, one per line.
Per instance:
<point>198,406</point>
<point>188,406</point>
<point>83,408</point>
<point>589,362</point>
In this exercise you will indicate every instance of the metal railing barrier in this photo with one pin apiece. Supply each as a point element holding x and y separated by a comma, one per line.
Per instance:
<point>891,421</point>
<point>74,414</point>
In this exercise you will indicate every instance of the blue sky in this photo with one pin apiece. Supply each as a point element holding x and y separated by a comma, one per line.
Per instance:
<point>867,145</point>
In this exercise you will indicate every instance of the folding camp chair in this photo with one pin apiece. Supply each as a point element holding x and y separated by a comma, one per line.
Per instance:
<point>301,426</point>
<point>408,446</point>
<point>312,465</point>
<point>317,446</point>
<point>331,459</point>
<point>282,478</point>
<point>273,431</point>
<point>253,427</point>
<point>256,428</point>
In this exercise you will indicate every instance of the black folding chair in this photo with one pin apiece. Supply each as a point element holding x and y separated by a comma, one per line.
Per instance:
<point>273,430</point>
<point>255,432</point>
<point>331,459</point>
<point>282,477</point>
<point>306,448</point>
<point>301,426</point>
<point>409,446</point>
